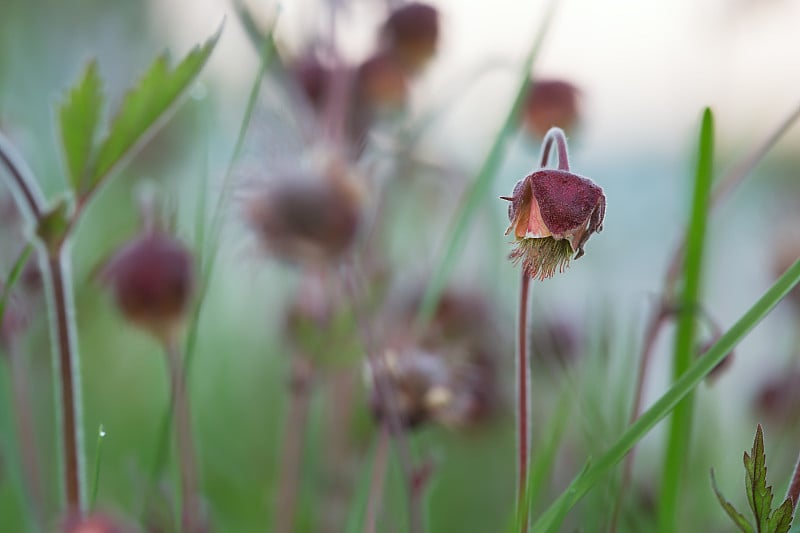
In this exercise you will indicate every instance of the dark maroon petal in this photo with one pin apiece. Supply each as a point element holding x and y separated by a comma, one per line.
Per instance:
<point>567,201</point>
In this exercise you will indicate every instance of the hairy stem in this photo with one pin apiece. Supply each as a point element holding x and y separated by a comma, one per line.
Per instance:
<point>523,401</point>
<point>190,509</point>
<point>794,486</point>
<point>293,440</point>
<point>557,136</point>
<point>67,368</point>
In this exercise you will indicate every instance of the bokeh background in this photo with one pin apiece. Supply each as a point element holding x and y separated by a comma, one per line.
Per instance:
<point>645,70</point>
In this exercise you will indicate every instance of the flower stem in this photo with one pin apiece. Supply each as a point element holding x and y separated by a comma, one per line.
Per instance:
<point>190,510</point>
<point>523,401</point>
<point>377,480</point>
<point>794,487</point>
<point>557,136</point>
<point>67,367</point>
<point>293,440</point>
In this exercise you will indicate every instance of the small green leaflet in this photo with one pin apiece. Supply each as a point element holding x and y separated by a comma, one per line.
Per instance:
<point>759,495</point>
<point>79,115</point>
<point>144,109</point>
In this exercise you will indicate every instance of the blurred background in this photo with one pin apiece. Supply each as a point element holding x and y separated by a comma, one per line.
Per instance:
<point>639,74</point>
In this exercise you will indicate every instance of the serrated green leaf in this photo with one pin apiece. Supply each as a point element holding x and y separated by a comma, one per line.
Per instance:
<point>759,495</point>
<point>737,517</point>
<point>781,519</point>
<point>79,115</point>
<point>145,107</point>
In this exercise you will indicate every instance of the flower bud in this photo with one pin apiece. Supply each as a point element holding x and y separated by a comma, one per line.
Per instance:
<point>381,82</point>
<point>313,79</point>
<point>550,103</point>
<point>411,33</point>
<point>152,278</point>
<point>305,218</point>
<point>94,523</point>
<point>553,213</point>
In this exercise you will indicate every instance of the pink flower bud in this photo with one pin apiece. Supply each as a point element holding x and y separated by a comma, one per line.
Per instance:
<point>553,213</point>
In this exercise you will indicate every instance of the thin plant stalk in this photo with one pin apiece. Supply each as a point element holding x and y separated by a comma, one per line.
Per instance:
<point>793,492</point>
<point>293,444</point>
<point>68,387</point>
<point>523,402</point>
<point>377,480</point>
<point>190,509</point>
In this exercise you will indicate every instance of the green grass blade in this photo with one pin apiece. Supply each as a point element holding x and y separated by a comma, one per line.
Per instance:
<point>98,459</point>
<point>79,116</point>
<point>681,423</point>
<point>553,516</point>
<point>145,107</point>
<point>480,186</point>
<point>13,277</point>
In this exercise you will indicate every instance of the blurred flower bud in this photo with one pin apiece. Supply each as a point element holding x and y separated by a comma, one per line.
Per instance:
<point>411,33</point>
<point>550,103</point>
<point>306,218</point>
<point>555,342</point>
<point>152,278</point>
<point>553,213</point>
<point>778,398</point>
<point>447,373</point>
<point>313,79</point>
<point>381,82</point>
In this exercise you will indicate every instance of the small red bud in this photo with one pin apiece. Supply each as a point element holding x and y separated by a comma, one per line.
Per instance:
<point>381,82</point>
<point>411,33</point>
<point>152,278</point>
<point>550,103</point>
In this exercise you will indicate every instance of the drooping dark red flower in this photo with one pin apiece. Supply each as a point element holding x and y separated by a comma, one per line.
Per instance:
<point>553,213</point>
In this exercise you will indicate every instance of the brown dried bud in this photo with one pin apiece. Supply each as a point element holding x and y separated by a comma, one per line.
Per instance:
<point>152,278</point>
<point>778,399</point>
<point>411,33</point>
<point>553,213</point>
<point>555,342</point>
<point>550,103</point>
<point>306,219</point>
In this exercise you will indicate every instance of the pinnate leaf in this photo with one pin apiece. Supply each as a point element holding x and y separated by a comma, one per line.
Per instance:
<point>145,107</point>
<point>79,115</point>
<point>781,519</point>
<point>737,517</point>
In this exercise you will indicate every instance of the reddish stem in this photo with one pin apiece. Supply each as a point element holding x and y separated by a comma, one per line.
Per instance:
<point>523,400</point>
<point>557,136</point>
<point>293,440</point>
<point>69,372</point>
<point>794,486</point>
<point>190,508</point>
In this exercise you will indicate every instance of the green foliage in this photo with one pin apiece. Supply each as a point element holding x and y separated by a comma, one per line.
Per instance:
<point>759,495</point>
<point>587,479</point>
<point>142,111</point>
<point>681,423</point>
<point>79,115</point>
<point>13,277</point>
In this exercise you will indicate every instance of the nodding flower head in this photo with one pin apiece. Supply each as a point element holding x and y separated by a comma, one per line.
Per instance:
<point>152,278</point>
<point>553,213</point>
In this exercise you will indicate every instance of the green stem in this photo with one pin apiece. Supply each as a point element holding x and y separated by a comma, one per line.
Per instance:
<point>681,424</point>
